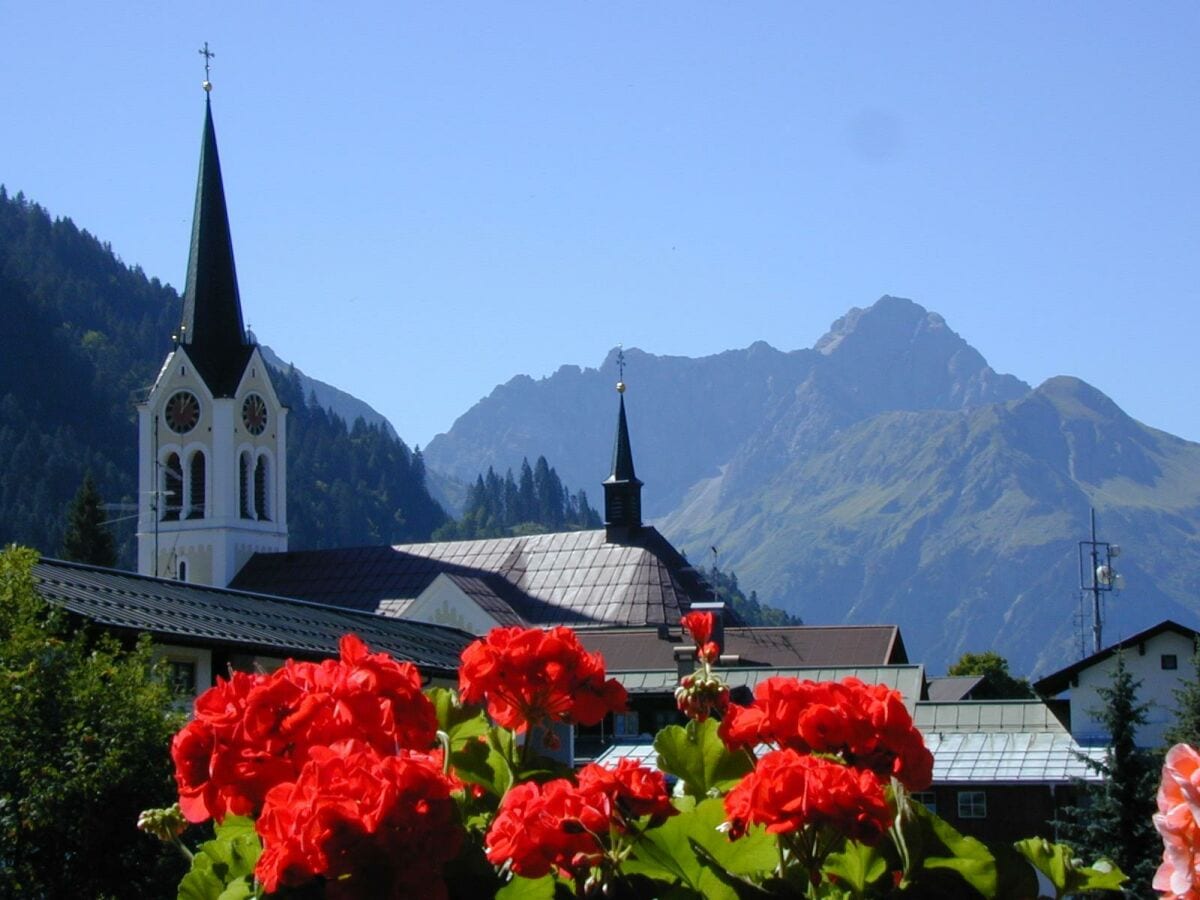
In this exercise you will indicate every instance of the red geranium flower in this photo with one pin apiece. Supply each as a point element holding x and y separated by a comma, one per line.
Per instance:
<point>788,790</point>
<point>868,726</point>
<point>541,827</point>
<point>532,677</point>
<point>699,625</point>
<point>255,731</point>
<point>633,790</point>
<point>568,827</point>
<point>371,825</point>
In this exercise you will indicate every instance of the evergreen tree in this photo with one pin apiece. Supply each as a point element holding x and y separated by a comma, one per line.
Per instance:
<point>534,503</point>
<point>1114,817</point>
<point>88,540</point>
<point>528,510</point>
<point>1186,727</point>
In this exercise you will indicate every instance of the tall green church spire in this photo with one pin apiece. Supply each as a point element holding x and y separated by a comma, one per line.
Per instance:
<point>212,329</point>
<point>622,489</point>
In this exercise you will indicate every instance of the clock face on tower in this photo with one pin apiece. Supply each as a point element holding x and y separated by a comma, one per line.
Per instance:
<point>183,412</point>
<point>254,414</point>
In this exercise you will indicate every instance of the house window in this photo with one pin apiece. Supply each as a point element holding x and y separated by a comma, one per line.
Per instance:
<point>972,805</point>
<point>181,570</point>
<point>928,799</point>
<point>181,676</point>
<point>625,724</point>
<point>1170,661</point>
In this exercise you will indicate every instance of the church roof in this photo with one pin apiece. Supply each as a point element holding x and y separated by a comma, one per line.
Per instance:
<point>777,647</point>
<point>194,615</point>
<point>212,328</point>
<point>567,578</point>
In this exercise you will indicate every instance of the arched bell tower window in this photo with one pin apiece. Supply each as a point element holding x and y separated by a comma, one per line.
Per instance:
<point>172,488</point>
<point>182,570</point>
<point>261,494</point>
<point>244,487</point>
<point>196,478</point>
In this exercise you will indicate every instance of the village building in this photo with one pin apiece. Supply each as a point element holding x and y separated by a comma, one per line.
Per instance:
<point>1161,658</point>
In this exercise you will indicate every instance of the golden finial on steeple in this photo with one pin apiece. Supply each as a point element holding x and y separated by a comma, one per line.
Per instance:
<point>208,55</point>
<point>621,368</point>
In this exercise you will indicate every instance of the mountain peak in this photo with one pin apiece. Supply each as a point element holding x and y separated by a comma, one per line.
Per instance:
<point>889,320</point>
<point>900,355</point>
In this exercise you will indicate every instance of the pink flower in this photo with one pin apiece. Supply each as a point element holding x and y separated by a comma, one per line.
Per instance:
<point>1178,821</point>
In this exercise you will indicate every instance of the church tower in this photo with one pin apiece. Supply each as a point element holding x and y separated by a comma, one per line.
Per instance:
<point>622,489</point>
<point>212,443</point>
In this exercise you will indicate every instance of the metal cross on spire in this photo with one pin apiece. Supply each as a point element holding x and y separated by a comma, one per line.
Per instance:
<point>208,55</point>
<point>620,368</point>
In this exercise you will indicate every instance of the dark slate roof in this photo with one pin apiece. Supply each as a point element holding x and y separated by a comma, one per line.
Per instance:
<point>212,328</point>
<point>774,647</point>
<point>951,688</point>
<point>567,578</point>
<point>195,615</point>
<point>907,679</point>
<point>1057,682</point>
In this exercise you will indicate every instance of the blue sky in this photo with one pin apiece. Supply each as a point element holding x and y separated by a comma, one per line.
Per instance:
<point>427,199</point>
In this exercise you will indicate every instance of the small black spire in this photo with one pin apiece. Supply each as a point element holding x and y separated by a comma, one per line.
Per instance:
<point>212,328</point>
<point>622,489</point>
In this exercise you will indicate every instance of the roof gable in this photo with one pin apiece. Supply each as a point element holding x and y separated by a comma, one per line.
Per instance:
<point>1057,682</point>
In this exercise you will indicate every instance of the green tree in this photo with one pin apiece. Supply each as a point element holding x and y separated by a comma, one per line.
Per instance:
<point>748,609</point>
<point>1186,727</point>
<point>998,683</point>
<point>84,731</point>
<point>1113,819</point>
<point>88,539</point>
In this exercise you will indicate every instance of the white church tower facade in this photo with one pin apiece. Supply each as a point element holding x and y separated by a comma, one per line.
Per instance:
<point>212,437</point>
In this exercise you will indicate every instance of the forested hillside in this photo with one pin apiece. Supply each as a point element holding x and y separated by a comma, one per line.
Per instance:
<point>535,501</point>
<point>83,337</point>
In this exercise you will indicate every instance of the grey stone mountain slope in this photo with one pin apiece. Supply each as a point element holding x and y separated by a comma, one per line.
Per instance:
<point>345,406</point>
<point>885,475</point>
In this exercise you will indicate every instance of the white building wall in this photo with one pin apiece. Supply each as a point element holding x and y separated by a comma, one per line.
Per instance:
<point>1146,664</point>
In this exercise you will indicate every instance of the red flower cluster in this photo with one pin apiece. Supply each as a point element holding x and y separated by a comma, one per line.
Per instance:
<point>253,732</point>
<point>534,677</point>
<point>788,790</point>
<point>867,726</point>
<point>700,626</point>
<point>372,825</point>
<point>565,826</point>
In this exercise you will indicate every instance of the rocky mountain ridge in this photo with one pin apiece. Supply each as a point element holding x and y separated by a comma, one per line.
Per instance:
<point>887,474</point>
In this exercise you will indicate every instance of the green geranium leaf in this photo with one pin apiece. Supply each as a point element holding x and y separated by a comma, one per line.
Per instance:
<point>1067,874</point>
<point>699,758</point>
<point>689,851</point>
<point>937,852</point>
<point>527,889</point>
<point>970,858</point>
<point>461,723</point>
<point>857,866</point>
<point>201,883</point>
<point>479,761</point>
<point>242,889</point>
<point>223,868</point>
